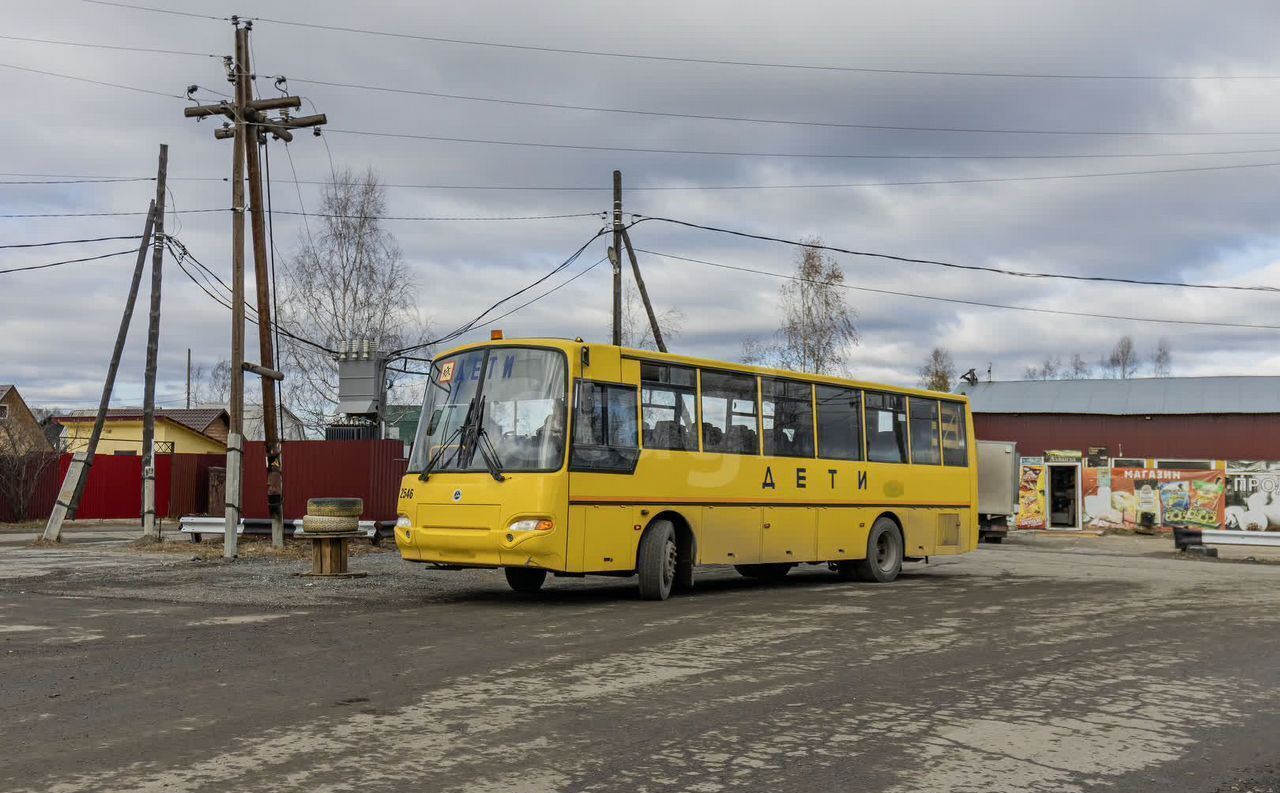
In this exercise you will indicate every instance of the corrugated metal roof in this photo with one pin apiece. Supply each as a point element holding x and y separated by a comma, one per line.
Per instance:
<point>1139,396</point>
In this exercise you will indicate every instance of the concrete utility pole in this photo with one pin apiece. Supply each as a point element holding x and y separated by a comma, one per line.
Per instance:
<point>251,126</point>
<point>81,462</point>
<point>150,527</point>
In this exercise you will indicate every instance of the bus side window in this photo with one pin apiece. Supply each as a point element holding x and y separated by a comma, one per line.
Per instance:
<point>955,443</point>
<point>886,427</point>
<point>787,410</point>
<point>667,407</point>
<point>839,423</point>
<point>729,420</point>
<point>604,428</point>
<point>924,431</point>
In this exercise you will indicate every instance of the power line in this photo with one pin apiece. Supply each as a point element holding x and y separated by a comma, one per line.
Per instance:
<point>792,154</point>
<point>954,265</point>
<point>480,317</point>
<point>681,188</point>
<point>725,61</point>
<point>118,47</point>
<point>91,81</point>
<point>105,214</point>
<point>760,120</point>
<point>158,10</point>
<point>66,261</point>
<point>452,218</point>
<point>1060,312</point>
<point>181,253</point>
<point>71,242</point>
<point>108,180</point>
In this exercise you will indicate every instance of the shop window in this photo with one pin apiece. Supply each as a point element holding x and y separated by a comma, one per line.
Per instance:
<point>786,409</point>
<point>1186,465</point>
<point>1128,462</point>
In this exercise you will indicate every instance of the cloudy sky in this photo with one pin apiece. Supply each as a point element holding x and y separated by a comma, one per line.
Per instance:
<point>1211,225</point>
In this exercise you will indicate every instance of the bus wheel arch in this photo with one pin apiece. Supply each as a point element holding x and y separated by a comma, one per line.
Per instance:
<point>686,547</point>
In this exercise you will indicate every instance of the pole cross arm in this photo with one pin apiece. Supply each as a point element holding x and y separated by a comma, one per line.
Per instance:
<point>202,111</point>
<point>278,103</point>
<point>305,121</point>
<point>262,371</point>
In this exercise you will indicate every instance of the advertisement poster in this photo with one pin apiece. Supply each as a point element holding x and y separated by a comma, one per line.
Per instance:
<point>1031,498</point>
<point>1132,498</point>
<point>1253,495</point>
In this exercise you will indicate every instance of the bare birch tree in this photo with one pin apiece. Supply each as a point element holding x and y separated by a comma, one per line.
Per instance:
<point>817,327</point>
<point>1122,362</point>
<point>1162,359</point>
<point>938,373</point>
<point>25,461</point>
<point>636,331</point>
<point>347,279</point>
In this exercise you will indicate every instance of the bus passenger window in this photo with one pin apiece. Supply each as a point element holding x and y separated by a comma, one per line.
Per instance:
<point>886,427</point>
<point>667,407</point>
<point>955,440</point>
<point>839,423</point>
<point>925,448</point>
<point>604,428</point>
<point>729,413</point>
<point>787,412</point>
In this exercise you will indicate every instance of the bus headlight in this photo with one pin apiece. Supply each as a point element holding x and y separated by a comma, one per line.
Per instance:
<point>403,522</point>
<point>531,524</point>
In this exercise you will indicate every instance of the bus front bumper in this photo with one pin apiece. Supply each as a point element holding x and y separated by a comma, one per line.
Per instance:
<point>477,536</point>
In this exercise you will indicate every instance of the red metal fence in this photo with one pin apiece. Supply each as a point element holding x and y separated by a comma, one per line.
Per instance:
<point>370,470</point>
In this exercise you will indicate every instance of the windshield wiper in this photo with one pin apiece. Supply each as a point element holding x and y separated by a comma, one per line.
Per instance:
<point>480,442</point>
<point>444,446</point>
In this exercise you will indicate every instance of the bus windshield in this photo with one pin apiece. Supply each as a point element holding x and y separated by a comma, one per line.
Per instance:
<point>512,400</point>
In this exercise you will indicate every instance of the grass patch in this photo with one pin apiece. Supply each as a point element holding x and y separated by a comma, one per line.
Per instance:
<point>249,548</point>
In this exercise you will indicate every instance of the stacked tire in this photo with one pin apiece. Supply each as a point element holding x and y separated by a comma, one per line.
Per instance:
<point>332,515</point>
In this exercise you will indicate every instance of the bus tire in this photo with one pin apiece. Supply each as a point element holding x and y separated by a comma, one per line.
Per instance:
<point>884,553</point>
<point>656,561</point>
<point>525,579</point>
<point>764,572</point>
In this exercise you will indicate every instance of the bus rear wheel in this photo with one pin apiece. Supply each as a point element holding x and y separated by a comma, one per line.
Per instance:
<point>884,554</point>
<point>764,572</point>
<point>525,579</point>
<point>656,561</point>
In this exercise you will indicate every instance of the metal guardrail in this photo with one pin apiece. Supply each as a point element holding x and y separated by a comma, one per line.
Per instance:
<point>197,525</point>
<point>1191,538</point>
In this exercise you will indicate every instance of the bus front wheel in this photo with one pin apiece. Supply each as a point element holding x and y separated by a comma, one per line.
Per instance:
<point>525,579</point>
<point>884,554</point>
<point>656,561</point>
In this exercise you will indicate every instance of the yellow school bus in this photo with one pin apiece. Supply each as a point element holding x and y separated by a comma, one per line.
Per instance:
<point>555,456</point>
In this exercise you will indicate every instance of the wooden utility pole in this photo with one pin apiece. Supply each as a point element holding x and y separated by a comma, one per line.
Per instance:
<point>78,472</point>
<point>251,125</point>
<point>620,239</point>
<point>616,259</point>
<point>644,293</point>
<point>150,527</point>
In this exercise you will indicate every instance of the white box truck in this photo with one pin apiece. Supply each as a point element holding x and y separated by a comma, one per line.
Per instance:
<point>997,489</point>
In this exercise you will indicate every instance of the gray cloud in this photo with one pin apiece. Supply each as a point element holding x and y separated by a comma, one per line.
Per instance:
<point>56,326</point>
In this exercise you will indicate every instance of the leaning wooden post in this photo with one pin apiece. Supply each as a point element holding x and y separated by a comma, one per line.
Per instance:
<point>78,472</point>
